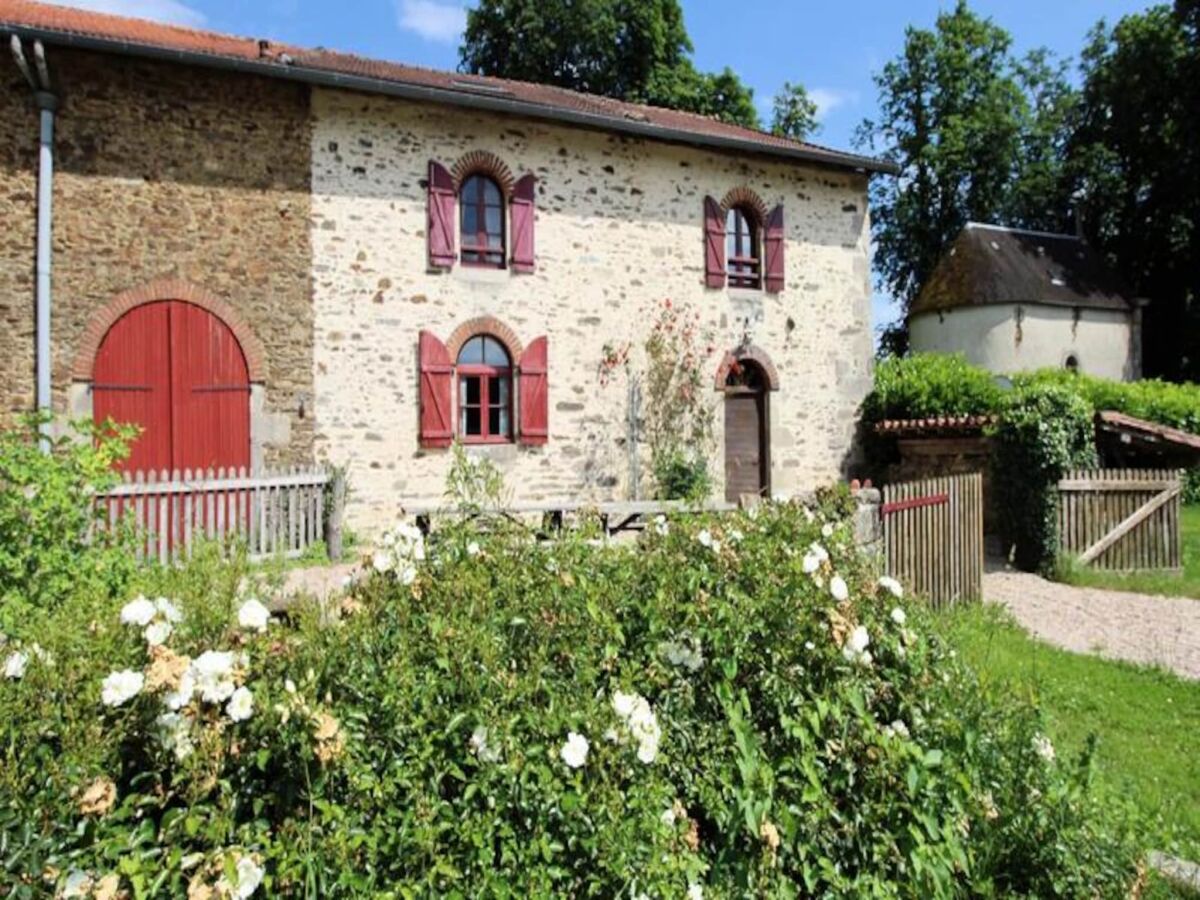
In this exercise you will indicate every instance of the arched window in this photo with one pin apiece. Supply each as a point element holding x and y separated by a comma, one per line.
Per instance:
<point>1072,363</point>
<point>482,222</point>
<point>742,247</point>
<point>484,392</point>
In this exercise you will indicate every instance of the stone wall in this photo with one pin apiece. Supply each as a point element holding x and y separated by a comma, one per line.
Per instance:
<point>619,229</point>
<point>162,172</point>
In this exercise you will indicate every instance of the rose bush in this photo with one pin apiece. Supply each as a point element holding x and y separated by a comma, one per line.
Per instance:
<point>727,707</point>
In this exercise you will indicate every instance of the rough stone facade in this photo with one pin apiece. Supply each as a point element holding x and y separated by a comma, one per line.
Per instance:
<point>619,229</point>
<point>162,172</point>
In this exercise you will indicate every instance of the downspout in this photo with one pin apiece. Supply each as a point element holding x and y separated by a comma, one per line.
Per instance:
<point>47,104</point>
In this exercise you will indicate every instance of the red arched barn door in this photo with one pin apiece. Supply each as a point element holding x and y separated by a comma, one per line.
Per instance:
<point>177,371</point>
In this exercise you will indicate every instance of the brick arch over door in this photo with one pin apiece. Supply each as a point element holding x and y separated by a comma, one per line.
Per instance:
<point>177,371</point>
<point>753,354</point>
<point>168,289</point>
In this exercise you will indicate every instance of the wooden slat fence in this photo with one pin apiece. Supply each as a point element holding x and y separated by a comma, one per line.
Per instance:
<point>933,537</point>
<point>1121,519</point>
<point>275,513</point>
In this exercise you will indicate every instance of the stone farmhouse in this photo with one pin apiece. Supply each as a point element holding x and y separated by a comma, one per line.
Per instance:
<point>271,256</point>
<point>1012,300</point>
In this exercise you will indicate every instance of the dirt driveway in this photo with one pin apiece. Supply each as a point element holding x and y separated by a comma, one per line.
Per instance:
<point>1139,628</point>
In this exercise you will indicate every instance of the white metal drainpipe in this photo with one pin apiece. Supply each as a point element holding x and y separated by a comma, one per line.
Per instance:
<point>47,104</point>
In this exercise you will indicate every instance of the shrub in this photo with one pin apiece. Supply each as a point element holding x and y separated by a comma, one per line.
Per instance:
<point>731,704</point>
<point>47,549</point>
<point>681,475</point>
<point>930,384</point>
<point>1043,430</point>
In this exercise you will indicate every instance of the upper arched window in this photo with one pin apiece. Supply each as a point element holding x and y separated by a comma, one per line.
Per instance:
<point>482,222</point>
<point>484,391</point>
<point>742,247</point>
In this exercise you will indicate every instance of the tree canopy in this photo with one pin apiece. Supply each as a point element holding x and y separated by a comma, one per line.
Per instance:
<point>795,113</point>
<point>635,50</point>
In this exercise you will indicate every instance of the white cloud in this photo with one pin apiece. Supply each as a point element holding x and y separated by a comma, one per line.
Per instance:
<point>829,99</point>
<point>432,19</point>
<point>170,11</point>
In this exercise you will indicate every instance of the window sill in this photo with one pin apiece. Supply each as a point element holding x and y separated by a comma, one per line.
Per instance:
<point>743,293</point>
<point>481,274</point>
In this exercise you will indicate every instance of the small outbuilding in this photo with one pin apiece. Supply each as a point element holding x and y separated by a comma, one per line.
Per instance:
<point>1012,300</point>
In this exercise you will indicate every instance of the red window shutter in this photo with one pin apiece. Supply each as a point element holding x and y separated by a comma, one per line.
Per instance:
<point>714,244</point>
<point>773,246</point>
<point>522,223</point>
<point>437,375</point>
<point>535,396</point>
<point>440,227</point>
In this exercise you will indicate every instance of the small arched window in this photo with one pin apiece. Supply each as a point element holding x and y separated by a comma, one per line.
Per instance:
<point>1072,363</point>
<point>482,222</point>
<point>742,248</point>
<point>484,392</point>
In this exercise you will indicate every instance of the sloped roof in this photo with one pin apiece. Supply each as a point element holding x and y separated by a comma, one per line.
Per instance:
<point>934,425</point>
<point>136,37</point>
<point>988,264</point>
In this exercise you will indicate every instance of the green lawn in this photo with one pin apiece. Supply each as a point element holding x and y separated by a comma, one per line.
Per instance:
<point>1186,584</point>
<point>1147,722</point>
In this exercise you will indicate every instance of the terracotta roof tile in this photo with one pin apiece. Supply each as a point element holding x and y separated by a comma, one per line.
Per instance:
<point>57,24</point>
<point>934,425</point>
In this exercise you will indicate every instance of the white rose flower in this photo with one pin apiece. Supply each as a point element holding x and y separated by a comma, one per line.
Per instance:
<point>484,751</point>
<point>899,728</point>
<point>139,611</point>
<point>120,687</point>
<point>253,615</point>
<point>157,633</point>
<point>248,876</point>
<point>1043,747</point>
<point>409,575</point>
<point>182,695</point>
<point>660,525</point>
<point>892,586</point>
<point>168,610</point>
<point>736,535</point>
<point>705,538</point>
<point>175,734</point>
<point>78,884</point>
<point>574,752</point>
<point>15,665</point>
<point>855,648</point>
<point>827,530</point>
<point>837,587</point>
<point>809,645</point>
<point>473,548</point>
<point>623,704</point>
<point>213,674</point>
<point>382,561</point>
<point>289,686</point>
<point>695,892</point>
<point>899,616</point>
<point>241,705</point>
<point>811,563</point>
<point>668,816</point>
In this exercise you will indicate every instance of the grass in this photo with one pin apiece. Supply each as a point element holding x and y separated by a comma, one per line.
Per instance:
<point>1146,722</point>
<point>1185,584</point>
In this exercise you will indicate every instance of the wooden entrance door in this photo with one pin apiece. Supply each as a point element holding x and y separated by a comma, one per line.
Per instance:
<point>178,372</point>
<point>747,450</point>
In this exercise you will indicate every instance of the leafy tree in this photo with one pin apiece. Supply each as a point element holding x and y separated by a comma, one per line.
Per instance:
<point>1134,163</point>
<point>795,113</point>
<point>636,50</point>
<point>975,133</point>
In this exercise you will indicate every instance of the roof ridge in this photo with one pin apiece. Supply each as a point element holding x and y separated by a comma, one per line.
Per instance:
<point>1012,229</point>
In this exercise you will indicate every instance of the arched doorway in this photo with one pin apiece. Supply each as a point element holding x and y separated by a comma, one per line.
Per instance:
<point>178,371</point>
<point>747,429</point>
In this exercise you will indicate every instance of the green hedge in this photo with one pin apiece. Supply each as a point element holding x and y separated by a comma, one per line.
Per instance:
<point>726,708</point>
<point>930,384</point>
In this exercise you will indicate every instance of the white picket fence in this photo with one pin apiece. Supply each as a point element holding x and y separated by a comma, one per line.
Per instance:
<point>279,513</point>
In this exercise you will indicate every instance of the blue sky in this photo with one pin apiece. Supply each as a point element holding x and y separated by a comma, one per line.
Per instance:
<point>831,48</point>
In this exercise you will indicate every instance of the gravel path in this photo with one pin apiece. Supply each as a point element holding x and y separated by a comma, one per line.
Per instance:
<point>1139,628</point>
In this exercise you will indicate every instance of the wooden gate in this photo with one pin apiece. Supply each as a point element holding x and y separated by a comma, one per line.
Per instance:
<point>933,535</point>
<point>1121,519</point>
